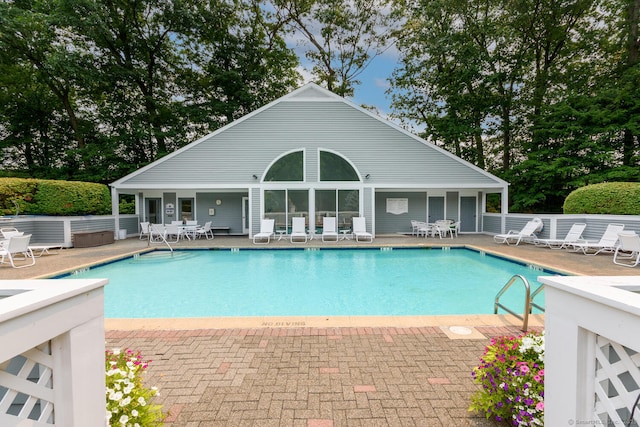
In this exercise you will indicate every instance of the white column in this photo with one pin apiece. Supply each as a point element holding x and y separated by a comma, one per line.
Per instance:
<point>115,210</point>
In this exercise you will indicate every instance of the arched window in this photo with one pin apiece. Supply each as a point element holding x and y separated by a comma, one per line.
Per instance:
<point>287,168</point>
<point>335,168</point>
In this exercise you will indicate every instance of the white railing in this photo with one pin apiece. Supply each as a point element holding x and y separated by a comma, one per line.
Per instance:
<point>52,353</point>
<point>592,364</point>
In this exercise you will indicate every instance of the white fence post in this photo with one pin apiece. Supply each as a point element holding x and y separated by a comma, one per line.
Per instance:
<point>592,374</point>
<point>52,353</point>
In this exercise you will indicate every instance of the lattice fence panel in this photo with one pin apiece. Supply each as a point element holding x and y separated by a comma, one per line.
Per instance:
<point>617,383</point>
<point>26,388</point>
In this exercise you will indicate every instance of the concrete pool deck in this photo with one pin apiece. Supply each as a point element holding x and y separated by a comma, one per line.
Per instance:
<point>316,372</point>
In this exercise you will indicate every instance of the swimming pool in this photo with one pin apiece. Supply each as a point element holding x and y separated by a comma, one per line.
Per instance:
<point>327,282</point>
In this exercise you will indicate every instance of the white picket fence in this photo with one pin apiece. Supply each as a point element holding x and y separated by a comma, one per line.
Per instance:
<point>52,353</point>
<point>592,350</point>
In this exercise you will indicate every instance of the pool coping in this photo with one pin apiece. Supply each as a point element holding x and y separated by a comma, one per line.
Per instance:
<point>493,320</point>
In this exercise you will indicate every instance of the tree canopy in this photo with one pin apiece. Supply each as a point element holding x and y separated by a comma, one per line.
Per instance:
<point>544,94</point>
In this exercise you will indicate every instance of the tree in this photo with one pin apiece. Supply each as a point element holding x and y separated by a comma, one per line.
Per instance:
<point>135,79</point>
<point>343,36</point>
<point>33,43</point>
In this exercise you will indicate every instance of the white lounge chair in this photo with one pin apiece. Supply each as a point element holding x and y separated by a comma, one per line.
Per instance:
<point>41,249</point>
<point>360,229</point>
<point>298,229</point>
<point>627,253</point>
<point>205,231</point>
<point>329,228</point>
<point>527,234</point>
<point>574,235</point>
<point>607,242</point>
<point>266,232</point>
<point>16,247</point>
<point>8,232</point>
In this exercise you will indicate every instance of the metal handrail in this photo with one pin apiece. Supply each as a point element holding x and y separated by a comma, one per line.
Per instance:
<point>532,304</point>
<point>528,303</point>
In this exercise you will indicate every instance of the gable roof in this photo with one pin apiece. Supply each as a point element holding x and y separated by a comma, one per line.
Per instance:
<point>309,118</point>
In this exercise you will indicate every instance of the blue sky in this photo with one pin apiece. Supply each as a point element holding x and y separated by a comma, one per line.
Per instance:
<point>373,83</point>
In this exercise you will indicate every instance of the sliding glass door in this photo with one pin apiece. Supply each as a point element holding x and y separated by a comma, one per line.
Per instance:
<point>341,204</point>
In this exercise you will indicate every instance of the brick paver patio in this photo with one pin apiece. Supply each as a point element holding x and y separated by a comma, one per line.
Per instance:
<point>311,377</point>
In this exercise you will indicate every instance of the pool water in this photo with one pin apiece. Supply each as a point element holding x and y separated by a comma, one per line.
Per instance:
<point>345,282</point>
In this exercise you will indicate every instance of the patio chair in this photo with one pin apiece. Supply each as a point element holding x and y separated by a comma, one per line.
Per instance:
<point>627,253</point>
<point>173,231</point>
<point>144,230</point>
<point>454,228</point>
<point>17,248</point>
<point>298,229</point>
<point>527,234</point>
<point>157,233</point>
<point>329,228</point>
<point>414,227</point>
<point>423,228</point>
<point>360,229</point>
<point>205,231</point>
<point>574,235</point>
<point>442,228</point>
<point>607,242</point>
<point>266,231</point>
<point>188,230</point>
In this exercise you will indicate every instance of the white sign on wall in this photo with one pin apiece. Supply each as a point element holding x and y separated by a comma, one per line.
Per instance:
<point>397,206</point>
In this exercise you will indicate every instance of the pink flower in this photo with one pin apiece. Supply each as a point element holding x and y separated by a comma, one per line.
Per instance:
<point>537,378</point>
<point>540,406</point>
<point>541,372</point>
<point>524,369</point>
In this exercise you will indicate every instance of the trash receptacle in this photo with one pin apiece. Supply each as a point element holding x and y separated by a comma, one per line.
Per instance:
<point>122,234</point>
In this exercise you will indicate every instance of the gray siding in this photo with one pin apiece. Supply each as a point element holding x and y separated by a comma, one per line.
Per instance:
<point>41,231</point>
<point>249,147</point>
<point>596,224</point>
<point>452,203</point>
<point>95,224</point>
<point>166,199</point>
<point>227,214</point>
<point>387,223</point>
<point>129,223</point>
<point>491,224</point>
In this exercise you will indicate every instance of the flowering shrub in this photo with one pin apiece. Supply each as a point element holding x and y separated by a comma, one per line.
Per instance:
<point>128,401</point>
<point>511,373</point>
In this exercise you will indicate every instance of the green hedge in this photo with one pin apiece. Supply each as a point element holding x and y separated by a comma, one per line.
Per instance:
<point>613,198</point>
<point>51,197</point>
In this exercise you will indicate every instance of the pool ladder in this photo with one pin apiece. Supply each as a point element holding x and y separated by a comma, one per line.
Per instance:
<point>528,303</point>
